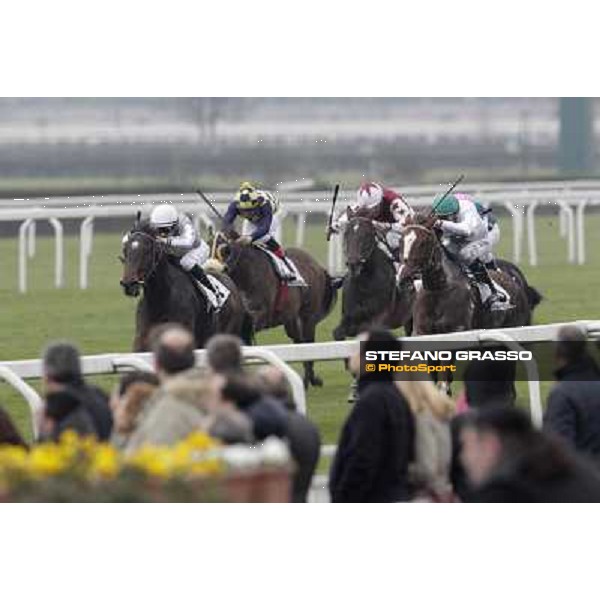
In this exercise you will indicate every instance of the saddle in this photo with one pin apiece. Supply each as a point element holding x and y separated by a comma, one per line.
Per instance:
<point>480,290</point>
<point>282,270</point>
<point>205,292</point>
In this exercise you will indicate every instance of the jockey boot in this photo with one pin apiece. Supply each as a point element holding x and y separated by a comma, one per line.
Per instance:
<point>491,265</point>
<point>277,250</point>
<point>198,273</point>
<point>481,274</point>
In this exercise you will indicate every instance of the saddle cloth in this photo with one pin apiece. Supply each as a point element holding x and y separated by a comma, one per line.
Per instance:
<point>225,291</point>
<point>485,293</point>
<point>282,269</point>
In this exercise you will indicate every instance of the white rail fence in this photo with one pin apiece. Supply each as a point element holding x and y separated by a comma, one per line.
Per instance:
<point>521,200</point>
<point>16,372</point>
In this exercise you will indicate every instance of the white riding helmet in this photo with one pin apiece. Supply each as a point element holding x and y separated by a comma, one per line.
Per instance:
<point>369,194</point>
<point>163,215</point>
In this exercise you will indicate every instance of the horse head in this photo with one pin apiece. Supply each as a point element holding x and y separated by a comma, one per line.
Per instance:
<point>360,240</point>
<point>420,245</point>
<point>142,254</point>
<point>227,250</point>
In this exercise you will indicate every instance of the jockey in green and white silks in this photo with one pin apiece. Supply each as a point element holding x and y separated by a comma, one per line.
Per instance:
<point>492,227</point>
<point>179,235</point>
<point>465,237</point>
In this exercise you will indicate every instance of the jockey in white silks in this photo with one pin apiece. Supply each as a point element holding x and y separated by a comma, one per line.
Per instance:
<point>465,237</point>
<point>385,207</point>
<point>179,235</point>
<point>493,229</point>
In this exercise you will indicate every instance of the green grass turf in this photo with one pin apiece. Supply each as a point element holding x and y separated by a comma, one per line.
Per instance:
<point>101,318</point>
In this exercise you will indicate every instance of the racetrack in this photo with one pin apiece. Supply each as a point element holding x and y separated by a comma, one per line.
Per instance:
<point>101,318</point>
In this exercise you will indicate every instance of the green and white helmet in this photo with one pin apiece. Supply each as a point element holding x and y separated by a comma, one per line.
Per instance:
<point>446,207</point>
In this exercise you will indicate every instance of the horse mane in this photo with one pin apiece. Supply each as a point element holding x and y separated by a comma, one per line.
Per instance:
<point>421,218</point>
<point>143,226</point>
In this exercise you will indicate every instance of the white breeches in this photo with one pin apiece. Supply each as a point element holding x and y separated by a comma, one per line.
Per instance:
<point>196,256</point>
<point>471,251</point>
<point>249,228</point>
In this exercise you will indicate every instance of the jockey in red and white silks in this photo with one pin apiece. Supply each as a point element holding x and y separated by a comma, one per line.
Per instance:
<point>384,206</point>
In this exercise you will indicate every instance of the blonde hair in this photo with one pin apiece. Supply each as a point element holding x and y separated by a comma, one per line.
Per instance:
<point>423,394</point>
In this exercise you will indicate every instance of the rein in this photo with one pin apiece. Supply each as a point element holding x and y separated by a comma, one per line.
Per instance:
<point>440,281</point>
<point>157,253</point>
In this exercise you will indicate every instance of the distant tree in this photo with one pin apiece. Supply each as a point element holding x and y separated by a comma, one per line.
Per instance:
<point>206,113</point>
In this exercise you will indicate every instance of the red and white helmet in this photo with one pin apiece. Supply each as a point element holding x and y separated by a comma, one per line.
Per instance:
<point>369,193</point>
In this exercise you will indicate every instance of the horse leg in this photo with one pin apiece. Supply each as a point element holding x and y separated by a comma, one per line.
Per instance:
<point>308,328</point>
<point>304,332</point>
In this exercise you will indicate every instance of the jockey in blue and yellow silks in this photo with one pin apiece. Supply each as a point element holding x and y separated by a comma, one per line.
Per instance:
<point>258,209</point>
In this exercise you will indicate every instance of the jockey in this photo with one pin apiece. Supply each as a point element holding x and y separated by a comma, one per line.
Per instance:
<point>177,232</point>
<point>465,237</point>
<point>259,210</point>
<point>382,205</point>
<point>493,229</point>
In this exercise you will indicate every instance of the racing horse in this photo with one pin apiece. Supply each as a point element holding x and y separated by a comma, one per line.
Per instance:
<point>448,301</point>
<point>370,294</point>
<point>271,302</point>
<point>170,295</point>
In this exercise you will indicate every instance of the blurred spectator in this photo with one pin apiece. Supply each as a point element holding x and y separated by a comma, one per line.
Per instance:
<point>507,460</point>
<point>490,382</point>
<point>268,416</point>
<point>432,413</point>
<point>573,407</point>
<point>302,435</point>
<point>65,411</point>
<point>181,406</point>
<point>173,350</point>
<point>128,403</point>
<point>9,434</point>
<point>377,441</point>
<point>224,354</point>
<point>63,382</point>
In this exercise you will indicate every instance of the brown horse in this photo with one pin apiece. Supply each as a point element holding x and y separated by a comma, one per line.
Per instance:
<point>448,301</point>
<point>271,303</point>
<point>170,295</point>
<point>370,294</point>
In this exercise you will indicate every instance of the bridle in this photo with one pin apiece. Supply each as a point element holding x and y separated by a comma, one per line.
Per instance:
<point>377,235</point>
<point>430,233</point>
<point>157,253</point>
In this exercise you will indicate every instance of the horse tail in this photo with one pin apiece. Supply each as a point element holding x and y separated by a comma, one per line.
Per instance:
<point>332,284</point>
<point>247,331</point>
<point>533,296</point>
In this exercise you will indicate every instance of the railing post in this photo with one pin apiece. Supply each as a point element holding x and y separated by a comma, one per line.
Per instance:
<point>58,252</point>
<point>530,215</point>
<point>23,254</point>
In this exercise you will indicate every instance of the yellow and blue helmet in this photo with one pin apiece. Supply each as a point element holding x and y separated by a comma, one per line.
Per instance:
<point>247,197</point>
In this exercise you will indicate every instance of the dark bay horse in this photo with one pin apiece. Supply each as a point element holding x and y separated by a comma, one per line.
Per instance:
<point>370,294</point>
<point>170,295</point>
<point>298,309</point>
<point>447,301</point>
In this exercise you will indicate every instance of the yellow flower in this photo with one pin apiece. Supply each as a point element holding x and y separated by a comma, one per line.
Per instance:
<point>105,462</point>
<point>46,460</point>
<point>13,458</point>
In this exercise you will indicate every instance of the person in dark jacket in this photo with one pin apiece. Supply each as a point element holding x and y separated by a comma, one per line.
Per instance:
<point>377,440</point>
<point>507,460</point>
<point>62,373</point>
<point>573,406</point>
<point>490,382</point>
<point>267,415</point>
<point>301,433</point>
<point>65,411</point>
